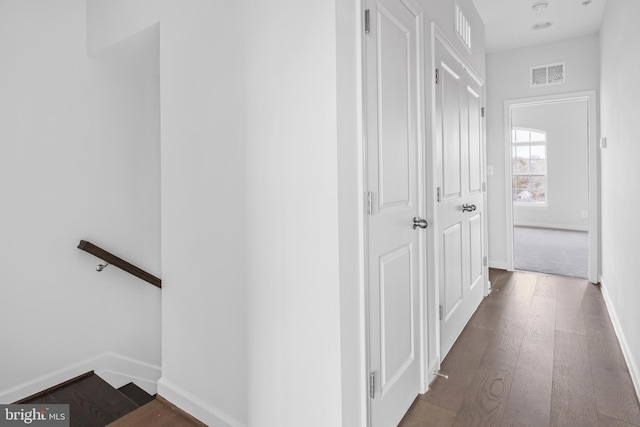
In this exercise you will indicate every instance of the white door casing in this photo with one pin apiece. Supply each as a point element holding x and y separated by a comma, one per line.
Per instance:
<point>459,159</point>
<point>395,255</point>
<point>594,176</point>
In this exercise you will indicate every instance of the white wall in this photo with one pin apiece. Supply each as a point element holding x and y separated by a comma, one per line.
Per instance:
<point>251,312</point>
<point>619,39</point>
<point>79,159</point>
<point>108,22</point>
<point>293,275</point>
<point>205,221</point>
<point>508,79</point>
<point>567,189</point>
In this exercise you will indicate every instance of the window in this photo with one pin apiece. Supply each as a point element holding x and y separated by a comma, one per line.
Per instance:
<point>529,166</point>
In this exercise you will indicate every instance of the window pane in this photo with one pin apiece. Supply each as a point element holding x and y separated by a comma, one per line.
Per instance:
<point>522,135</point>
<point>529,189</point>
<point>521,160</point>
<point>520,191</point>
<point>538,166</point>
<point>513,135</point>
<point>538,152</point>
<point>516,188</point>
<point>537,187</point>
<point>522,152</point>
<point>520,166</point>
<point>538,137</point>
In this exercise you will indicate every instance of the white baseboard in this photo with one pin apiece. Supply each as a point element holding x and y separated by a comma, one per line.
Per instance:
<point>193,405</point>
<point>115,369</point>
<point>553,226</point>
<point>501,265</point>
<point>624,345</point>
<point>120,370</point>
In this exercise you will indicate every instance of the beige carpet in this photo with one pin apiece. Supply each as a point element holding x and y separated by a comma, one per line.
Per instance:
<point>543,250</point>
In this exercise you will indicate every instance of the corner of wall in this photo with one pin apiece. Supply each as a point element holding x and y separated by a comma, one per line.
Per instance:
<point>108,22</point>
<point>115,369</point>
<point>622,338</point>
<point>195,406</point>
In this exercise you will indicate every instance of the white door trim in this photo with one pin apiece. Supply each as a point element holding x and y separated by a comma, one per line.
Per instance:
<point>594,175</point>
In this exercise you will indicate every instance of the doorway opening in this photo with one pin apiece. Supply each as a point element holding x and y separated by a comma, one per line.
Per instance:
<point>552,200</point>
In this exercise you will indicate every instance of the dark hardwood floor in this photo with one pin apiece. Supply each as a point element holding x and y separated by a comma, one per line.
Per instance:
<point>539,351</point>
<point>92,402</point>
<point>157,413</point>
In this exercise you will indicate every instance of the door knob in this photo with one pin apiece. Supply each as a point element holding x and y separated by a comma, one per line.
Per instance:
<point>419,222</point>
<point>468,208</point>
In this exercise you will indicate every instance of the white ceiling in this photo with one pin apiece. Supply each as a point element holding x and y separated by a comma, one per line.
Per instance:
<point>508,22</point>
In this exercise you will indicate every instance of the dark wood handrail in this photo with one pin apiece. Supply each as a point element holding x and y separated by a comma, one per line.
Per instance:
<point>119,262</point>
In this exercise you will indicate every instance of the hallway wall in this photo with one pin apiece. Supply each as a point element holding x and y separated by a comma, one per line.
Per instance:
<point>204,215</point>
<point>620,109</point>
<point>79,159</point>
<point>508,79</point>
<point>293,298</point>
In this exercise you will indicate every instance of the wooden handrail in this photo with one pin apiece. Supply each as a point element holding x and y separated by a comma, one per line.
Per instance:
<point>119,262</point>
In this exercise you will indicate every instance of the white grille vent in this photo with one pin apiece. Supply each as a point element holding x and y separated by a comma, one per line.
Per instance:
<point>463,29</point>
<point>547,75</point>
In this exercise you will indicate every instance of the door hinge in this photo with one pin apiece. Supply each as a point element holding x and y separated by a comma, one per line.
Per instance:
<point>367,21</point>
<point>441,314</point>
<point>372,385</point>
<point>484,187</point>
<point>369,203</point>
<point>438,193</point>
<point>437,75</point>
<point>484,261</point>
<point>482,111</point>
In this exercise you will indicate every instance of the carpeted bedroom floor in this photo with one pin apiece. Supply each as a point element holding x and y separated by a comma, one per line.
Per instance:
<point>544,250</point>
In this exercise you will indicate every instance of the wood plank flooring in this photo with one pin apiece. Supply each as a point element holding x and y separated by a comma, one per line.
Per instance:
<point>92,402</point>
<point>539,351</point>
<point>157,413</point>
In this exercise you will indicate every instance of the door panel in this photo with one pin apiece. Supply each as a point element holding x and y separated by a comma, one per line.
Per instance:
<point>450,143</point>
<point>475,142</point>
<point>394,125</point>
<point>475,248</point>
<point>452,257</point>
<point>396,317</point>
<point>460,232</point>
<point>394,247</point>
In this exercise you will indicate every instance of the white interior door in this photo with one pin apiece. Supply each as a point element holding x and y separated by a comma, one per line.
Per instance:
<point>394,254</point>
<point>459,170</point>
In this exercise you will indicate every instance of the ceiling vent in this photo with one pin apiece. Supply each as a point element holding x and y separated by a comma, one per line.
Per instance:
<point>547,75</point>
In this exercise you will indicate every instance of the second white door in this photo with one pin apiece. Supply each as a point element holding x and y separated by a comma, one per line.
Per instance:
<point>459,166</point>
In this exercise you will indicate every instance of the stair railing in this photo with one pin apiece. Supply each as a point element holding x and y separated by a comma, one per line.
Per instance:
<point>111,259</point>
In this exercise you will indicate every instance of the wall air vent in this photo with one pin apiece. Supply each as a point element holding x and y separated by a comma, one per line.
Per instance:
<point>547,75</point>
<point>463,29</point>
